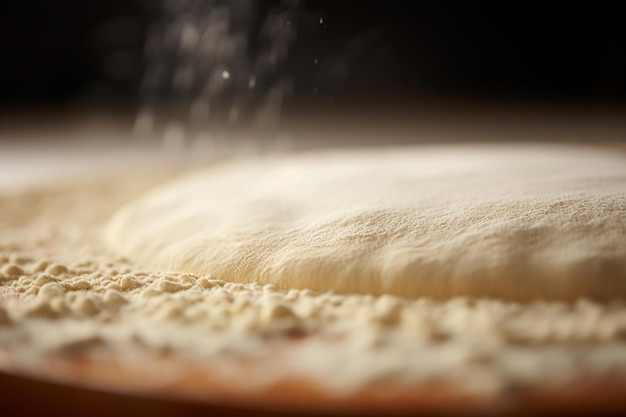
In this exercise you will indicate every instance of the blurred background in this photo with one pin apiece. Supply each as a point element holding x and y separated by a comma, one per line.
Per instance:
<point>176,69</point>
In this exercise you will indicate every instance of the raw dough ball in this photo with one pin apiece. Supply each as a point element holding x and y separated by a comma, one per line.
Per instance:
<point>510,221</point>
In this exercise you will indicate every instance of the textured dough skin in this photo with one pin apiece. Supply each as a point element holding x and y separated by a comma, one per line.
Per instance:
<point>517,222</point>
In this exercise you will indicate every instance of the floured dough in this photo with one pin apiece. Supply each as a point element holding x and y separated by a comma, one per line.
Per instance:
<point>511,221</point>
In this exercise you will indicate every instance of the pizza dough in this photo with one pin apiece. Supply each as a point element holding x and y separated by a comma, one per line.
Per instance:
<point>516,222</point>
<point>74,312</point>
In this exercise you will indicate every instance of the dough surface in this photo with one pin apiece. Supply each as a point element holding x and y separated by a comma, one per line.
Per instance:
<point>512,221</point>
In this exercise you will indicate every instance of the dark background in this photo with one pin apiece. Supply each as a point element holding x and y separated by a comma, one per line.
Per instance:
<point>60,52</point>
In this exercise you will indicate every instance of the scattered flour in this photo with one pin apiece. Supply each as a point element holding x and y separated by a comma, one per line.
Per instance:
<point>62,293</point>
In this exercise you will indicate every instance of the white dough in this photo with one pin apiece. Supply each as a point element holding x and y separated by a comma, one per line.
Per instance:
<point>511,221</point>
